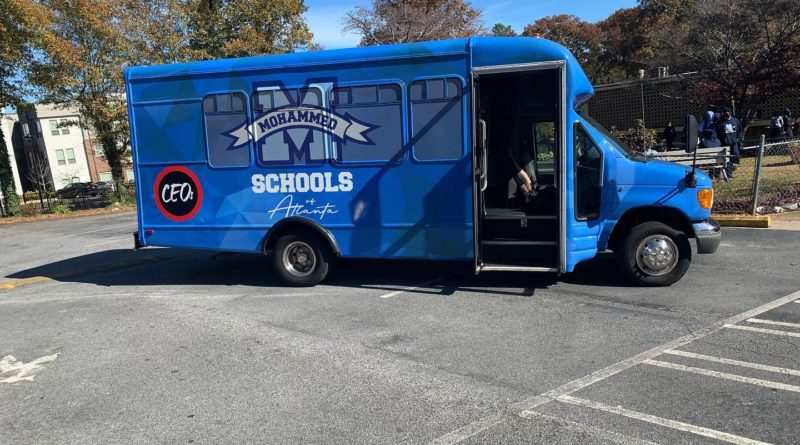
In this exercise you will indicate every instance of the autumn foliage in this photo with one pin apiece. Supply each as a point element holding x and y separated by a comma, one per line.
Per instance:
<point>402,21</point>
<point>73,52</point>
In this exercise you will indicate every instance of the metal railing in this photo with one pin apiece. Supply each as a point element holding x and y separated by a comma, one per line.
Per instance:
<point>32,204</point>
<point>766,179</point>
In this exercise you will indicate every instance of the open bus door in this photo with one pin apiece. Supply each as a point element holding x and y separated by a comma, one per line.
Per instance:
<point>518,154</point>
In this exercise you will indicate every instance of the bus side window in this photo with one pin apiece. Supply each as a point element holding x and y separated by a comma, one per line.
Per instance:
<point>223,113</point>
<point>588,175</point>
<point>437,119</point>
<point>294,146</point>
<point>378,106</point>
<point>544,137</point>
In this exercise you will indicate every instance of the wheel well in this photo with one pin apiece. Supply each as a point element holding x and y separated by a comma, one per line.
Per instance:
<point>292,224</point>
<point>667,215</point>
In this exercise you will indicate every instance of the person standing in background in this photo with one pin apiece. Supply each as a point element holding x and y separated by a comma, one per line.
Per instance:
<point>707,122</point>
<point>788,123</point>
<point>708,129</point>
<point>669,136</point>
<point>775,126</point>
<point>729,130</point>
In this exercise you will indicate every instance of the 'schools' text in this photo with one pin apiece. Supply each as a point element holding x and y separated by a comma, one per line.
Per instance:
<point>302,182</point>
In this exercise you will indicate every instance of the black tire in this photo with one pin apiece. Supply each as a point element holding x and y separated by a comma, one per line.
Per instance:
<point>659,268</point>
<point>301,258</point>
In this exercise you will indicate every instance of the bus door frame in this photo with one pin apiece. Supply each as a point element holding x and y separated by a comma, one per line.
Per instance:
<point>480,164</point>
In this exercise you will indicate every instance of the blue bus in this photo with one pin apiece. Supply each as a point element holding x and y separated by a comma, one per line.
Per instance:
<point>470,149</point>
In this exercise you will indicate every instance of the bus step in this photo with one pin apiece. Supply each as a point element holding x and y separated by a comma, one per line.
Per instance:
<point>516,268</point>
<point>520,253</point>
<point>524,228</point>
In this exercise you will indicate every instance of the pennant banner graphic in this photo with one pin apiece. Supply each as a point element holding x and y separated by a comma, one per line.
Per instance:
<point>343,128</point>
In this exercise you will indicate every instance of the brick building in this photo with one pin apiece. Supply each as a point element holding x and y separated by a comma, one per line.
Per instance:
<point>56,137</point>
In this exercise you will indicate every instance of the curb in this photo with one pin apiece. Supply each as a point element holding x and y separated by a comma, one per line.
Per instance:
<point>73,214</point>
<point>758,221</point>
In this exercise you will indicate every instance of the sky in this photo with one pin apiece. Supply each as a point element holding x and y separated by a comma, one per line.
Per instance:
<point>325,16</point>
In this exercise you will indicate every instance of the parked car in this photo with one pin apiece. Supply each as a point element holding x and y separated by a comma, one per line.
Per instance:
<point>78,190</point>
<point>104,187</point>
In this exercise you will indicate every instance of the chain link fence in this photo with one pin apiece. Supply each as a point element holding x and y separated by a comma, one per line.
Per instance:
<point>766,180</point>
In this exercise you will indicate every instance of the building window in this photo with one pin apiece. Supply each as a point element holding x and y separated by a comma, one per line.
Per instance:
<point>105,177</point>
<point>26,131</point>
<point>60,157</point>
<point>63,124</point>
<point>75,179</point>
<point>98,148</point>
<point>38,128</point>
<point>298,144</point>
<point>224,113</point>
<point>65,182</point>
<point>53,127</point>
<point>437,119</point>
<point>129,175</point>
<point>70,155</point>
<point>379,107</point>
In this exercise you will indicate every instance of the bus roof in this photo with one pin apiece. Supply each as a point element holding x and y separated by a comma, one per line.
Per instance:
<point>485,51</point>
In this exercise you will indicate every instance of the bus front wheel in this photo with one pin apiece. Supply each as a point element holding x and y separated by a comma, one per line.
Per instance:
<point>655,254</point>
<point>301,258</point>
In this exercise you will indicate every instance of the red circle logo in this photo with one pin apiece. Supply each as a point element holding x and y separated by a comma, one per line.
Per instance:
<point>178,193</point>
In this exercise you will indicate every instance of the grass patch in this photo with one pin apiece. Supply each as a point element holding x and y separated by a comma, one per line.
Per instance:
<point>780,184</point>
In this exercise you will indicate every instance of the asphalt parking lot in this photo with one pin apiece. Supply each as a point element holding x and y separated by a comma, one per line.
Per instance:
<point>103,344</point>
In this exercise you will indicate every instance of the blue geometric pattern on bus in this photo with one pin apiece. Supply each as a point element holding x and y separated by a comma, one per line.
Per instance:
<point>378,200</point>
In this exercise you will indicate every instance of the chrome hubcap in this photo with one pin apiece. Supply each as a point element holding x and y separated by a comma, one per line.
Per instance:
<point>657,255</point>
<point>299,259</point>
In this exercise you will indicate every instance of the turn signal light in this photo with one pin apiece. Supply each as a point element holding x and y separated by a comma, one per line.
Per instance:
<point>705,198</point>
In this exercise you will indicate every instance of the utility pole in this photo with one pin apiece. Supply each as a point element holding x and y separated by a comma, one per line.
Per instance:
<point>641,91</point>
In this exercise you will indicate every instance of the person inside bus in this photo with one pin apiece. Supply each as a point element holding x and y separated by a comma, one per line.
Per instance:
<point>522,187</point>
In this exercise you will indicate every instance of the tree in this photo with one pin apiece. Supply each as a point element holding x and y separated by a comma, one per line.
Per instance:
<point>501,30</point>
<point>627,47</point>
<point>7,188</point>
<point>402,21</point>
<point>742,52</point>
<point>39,174</point>
<point>83,56</point>
<point>237,28</point>
<point>582,38</point>
<point>90,42</point>
<point>19,22</point>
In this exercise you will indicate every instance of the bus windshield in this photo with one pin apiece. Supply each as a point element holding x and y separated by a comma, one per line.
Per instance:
<point>624,149</point>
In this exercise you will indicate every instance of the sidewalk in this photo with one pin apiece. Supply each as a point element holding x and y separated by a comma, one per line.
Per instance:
<point>785,221</point>
<point>72,214</point>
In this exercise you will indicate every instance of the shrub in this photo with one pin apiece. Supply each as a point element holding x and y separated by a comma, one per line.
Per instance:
<point>29,210</point>
<point>60,209</point>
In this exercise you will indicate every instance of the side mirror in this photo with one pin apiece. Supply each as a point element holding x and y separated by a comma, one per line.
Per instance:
<point>690,133</point>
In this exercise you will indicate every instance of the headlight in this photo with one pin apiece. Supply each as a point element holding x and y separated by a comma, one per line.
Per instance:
<point>705,198</point>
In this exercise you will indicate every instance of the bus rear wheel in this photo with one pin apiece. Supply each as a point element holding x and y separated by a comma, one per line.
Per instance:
<point>301,258</point>
<point>655,254</point>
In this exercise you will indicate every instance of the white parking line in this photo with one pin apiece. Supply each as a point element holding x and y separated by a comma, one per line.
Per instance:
<point>728,361</point>
<point>586,429</point>
<point>419,285</point>
<point>467,431</point>
<point>649,418</point>
<point>531,403</point>
<point>773,322</point>
<point>724,375</point>
<point>764,331</point>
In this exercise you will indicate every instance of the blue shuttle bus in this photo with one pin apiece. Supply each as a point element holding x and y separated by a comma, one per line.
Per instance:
<point>471,149</point>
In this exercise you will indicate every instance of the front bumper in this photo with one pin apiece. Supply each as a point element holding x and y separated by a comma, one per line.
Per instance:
<point>708,235</point>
